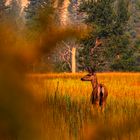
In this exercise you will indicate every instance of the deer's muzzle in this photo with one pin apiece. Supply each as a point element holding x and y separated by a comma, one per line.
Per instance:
<point>82,79</point>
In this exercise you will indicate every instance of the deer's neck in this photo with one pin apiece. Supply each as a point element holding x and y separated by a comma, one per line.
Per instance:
<point>94,83</point>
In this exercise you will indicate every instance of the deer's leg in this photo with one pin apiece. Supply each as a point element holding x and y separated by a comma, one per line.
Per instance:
<point>103,106</point>
<point>92,98</point>
<point>97,106</point>
<point>94,109</point>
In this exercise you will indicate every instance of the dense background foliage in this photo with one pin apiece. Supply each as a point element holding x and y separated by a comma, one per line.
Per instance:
<point>115,22</point>
<point>112,21</point>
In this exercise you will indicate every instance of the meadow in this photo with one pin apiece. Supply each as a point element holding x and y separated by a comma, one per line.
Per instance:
<point>67,113</point>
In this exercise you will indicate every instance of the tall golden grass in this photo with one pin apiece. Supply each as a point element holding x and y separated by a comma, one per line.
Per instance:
<point>20,112</point>
<point>56,106</point>
<point>69,115</point>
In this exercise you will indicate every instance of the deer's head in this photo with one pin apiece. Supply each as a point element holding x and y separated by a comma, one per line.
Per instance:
<point>90,76</point>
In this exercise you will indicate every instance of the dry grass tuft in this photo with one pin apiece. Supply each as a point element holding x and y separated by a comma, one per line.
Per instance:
<point>69,114</point>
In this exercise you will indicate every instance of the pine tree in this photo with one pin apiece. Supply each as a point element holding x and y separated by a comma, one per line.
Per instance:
<point>31,9</point>
<point>39,19</point>
<point>15,8</point>
<point>14,13</point>
<point>108,20</point>
<point>38,14</point>
<point>3,9</point>
<point>134,30</point>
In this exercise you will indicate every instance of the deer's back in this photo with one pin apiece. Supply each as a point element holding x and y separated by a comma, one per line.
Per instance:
<point>102,90</point>
<point>99,94</point>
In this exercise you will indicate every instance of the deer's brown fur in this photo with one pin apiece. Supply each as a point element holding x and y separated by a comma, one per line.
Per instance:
<point>99,93</point>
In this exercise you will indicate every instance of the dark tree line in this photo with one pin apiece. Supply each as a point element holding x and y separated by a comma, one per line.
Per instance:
<point>109,21</point>
<point>11,12</point>
<point>114,23</point>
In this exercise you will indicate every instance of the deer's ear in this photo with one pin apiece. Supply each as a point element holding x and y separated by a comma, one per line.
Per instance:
<point>93,73</point>
<point>93,70</point>
<point>88,69</point>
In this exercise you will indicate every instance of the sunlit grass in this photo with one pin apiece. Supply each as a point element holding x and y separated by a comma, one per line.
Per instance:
<point>67,100</point>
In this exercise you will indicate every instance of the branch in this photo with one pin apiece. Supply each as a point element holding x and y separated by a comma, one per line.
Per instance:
<point>98,42</point>
<point>67,46</point>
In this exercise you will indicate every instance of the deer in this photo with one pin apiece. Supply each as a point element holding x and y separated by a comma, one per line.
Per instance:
<point>99,93</point>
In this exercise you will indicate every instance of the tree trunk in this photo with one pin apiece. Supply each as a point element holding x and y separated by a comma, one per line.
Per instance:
<point>73,60</point>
